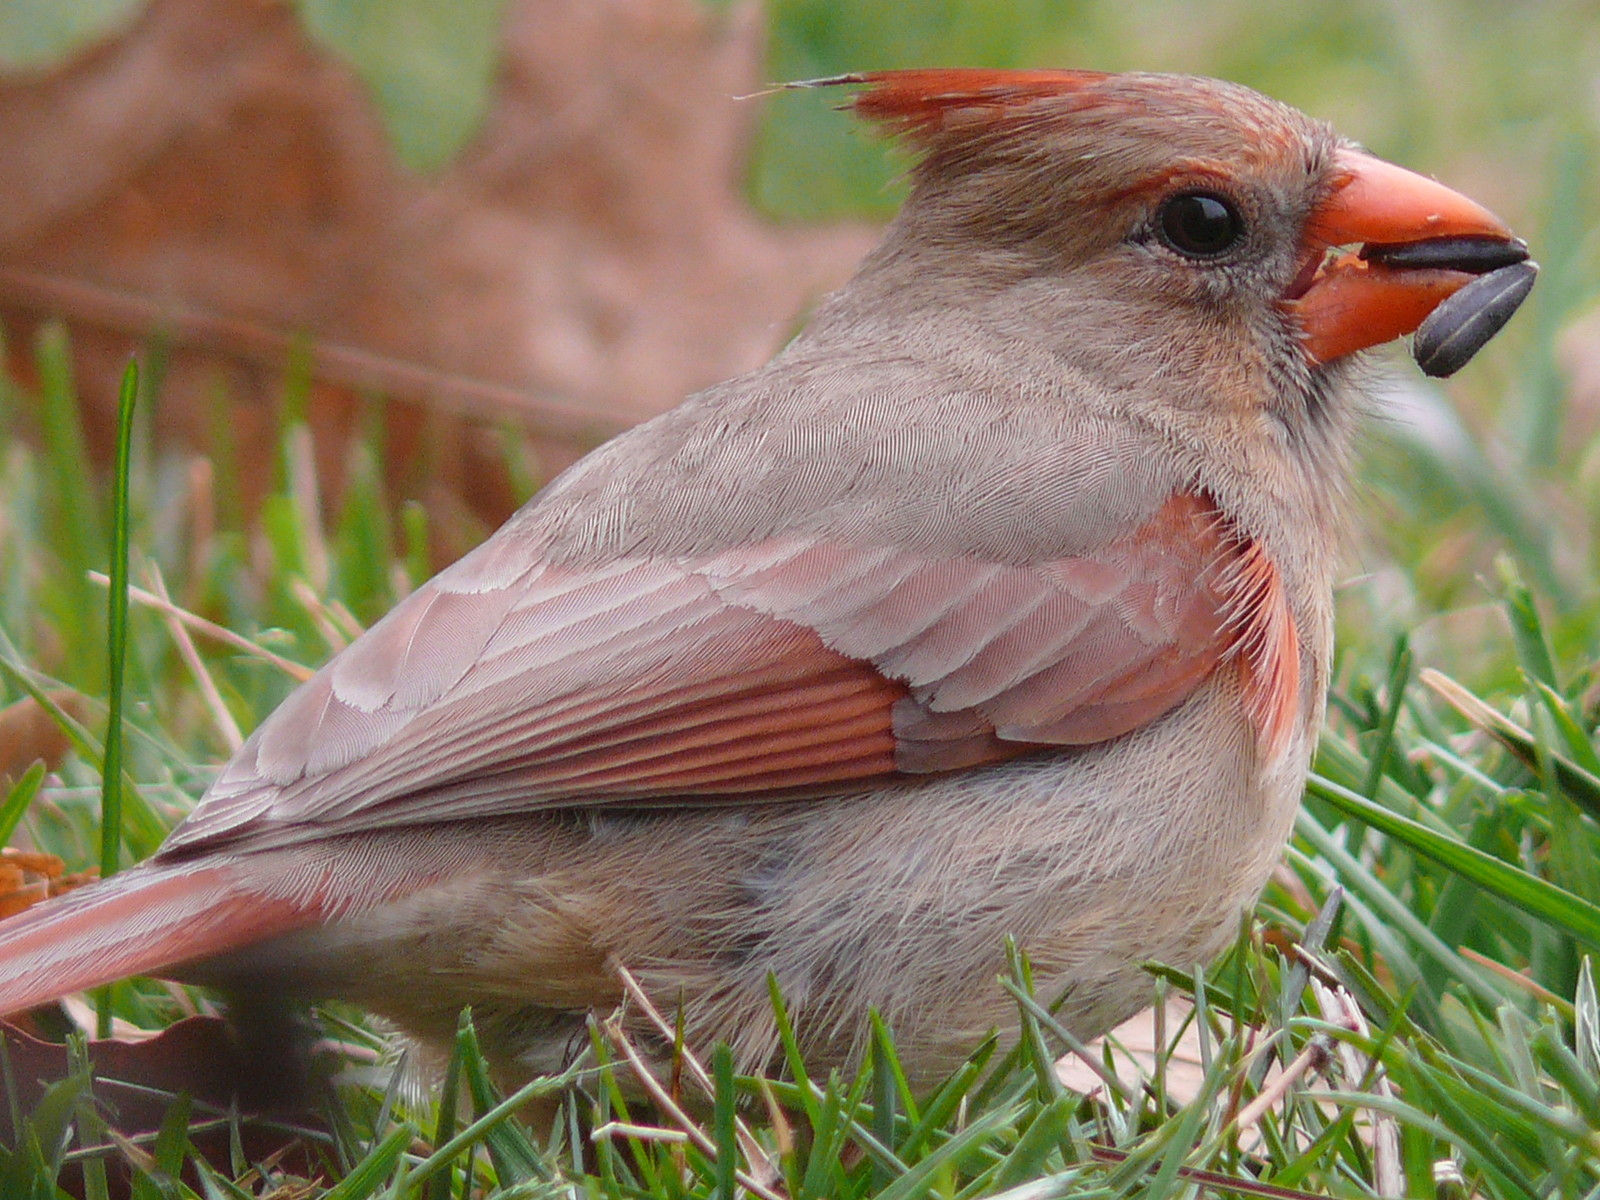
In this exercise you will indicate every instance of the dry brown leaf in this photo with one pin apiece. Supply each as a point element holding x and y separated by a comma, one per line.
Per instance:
<point>590,258</point>
<point>29,876</point>
<point>135,1082</point>
<point>28,734</point>
<point>20,889</point>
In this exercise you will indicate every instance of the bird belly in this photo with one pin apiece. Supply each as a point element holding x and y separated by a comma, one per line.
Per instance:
<point>1094,860</point>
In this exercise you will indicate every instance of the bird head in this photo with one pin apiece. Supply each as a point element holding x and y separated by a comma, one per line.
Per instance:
<point>1163,193</point>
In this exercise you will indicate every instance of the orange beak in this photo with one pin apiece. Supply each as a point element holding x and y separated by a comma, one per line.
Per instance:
<point>1351,301</point>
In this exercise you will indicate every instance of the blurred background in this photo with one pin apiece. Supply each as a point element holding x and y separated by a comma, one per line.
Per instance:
<point>390,266</point>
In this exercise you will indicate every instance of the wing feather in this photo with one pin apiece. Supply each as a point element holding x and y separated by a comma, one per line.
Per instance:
<point>788,665</point>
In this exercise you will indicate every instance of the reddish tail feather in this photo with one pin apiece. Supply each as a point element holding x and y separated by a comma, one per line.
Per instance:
<point>147,920</point>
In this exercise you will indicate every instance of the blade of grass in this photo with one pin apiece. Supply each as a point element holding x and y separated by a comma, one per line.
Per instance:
<point>444,1125</point>
<point>1581,786</point>
<point>915,1181</point>
<point>722,1133</point>
<point>1043,1136</point>
<point>1399,676</point>
<point>18,798</point>
<point>515,1158</point>
<point>376,1168</point>
<point>90,1124</point>
<point>117,645</point>
<point>1527,628</point>
<point>1533,895</point>
<point>492,1118</point>
<point>117,637</point>
<point>1018,980</point>
<point>1387,919</point>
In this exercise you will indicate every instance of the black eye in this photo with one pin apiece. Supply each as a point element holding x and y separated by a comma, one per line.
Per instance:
<point>1199,224</point>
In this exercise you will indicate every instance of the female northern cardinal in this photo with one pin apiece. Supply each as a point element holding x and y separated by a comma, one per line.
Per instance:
<point>997,604</point>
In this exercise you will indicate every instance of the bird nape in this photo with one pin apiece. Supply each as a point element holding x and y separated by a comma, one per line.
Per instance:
<point>997,605</point>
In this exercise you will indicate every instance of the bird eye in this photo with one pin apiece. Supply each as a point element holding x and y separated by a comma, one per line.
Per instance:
<point>1199,224</point>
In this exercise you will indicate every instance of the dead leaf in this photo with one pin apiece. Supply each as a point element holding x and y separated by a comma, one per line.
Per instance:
<point>587,262</point>
<point>28,734</point>
<point>135,1083</point>
<point>29,876</point>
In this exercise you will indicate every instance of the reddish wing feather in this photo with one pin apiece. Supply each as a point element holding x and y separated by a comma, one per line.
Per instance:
<point>1267,643</point>
<point>1042,654</point>
<point>779,667</point>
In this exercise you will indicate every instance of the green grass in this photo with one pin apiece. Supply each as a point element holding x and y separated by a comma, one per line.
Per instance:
<point>1442,887</point>
<point>1425,946</point>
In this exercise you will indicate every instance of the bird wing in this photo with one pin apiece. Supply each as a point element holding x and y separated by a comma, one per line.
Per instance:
<point>786,666</point>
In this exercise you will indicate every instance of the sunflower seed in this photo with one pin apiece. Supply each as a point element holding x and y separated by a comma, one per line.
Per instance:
<point>1464,322</point>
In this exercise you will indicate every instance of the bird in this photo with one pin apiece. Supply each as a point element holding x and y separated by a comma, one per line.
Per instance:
<point>996,606</point>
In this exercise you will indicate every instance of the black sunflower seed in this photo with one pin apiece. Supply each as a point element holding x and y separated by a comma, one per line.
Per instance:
<point>1464,322</point>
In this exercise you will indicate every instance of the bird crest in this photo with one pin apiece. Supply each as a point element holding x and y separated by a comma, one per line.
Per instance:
<point>922,103</point>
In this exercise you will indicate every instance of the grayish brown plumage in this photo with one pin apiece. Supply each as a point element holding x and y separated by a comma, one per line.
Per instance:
<point>998,604</point>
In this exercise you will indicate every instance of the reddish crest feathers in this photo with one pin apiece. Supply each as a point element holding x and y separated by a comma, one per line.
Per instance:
<point>917,101</point>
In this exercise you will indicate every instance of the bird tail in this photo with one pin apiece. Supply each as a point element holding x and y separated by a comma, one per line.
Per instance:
<point>144,921</point>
